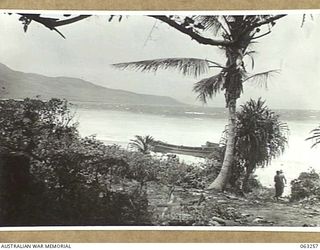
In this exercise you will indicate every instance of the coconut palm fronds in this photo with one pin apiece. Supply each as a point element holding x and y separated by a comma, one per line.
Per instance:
<point>187,66</point>
<point>315,136</point>
<point>211,23</point>
<point>208,87</point>
<point>250,55</point>
<point>262,78</point>
<point>142,143</point>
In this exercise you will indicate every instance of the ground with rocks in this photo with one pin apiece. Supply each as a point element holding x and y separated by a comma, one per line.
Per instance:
<point>197,207</point>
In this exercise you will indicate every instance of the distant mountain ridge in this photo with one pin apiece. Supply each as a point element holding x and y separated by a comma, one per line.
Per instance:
<point>19,85</point>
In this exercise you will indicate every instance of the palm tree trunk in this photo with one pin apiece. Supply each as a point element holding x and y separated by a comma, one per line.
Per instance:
<point>221,181</point>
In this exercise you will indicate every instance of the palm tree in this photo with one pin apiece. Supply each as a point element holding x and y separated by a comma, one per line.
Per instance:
<point>236,34</point>
<point>142,144</point>
<point>260,137</point>
<point>315,136</point>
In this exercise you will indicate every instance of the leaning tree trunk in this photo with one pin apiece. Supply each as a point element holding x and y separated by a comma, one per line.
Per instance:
<point>233,89</point>
<point>223,177</point>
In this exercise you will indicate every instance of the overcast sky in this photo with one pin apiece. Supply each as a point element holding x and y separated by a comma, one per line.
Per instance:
<point>91,45</point>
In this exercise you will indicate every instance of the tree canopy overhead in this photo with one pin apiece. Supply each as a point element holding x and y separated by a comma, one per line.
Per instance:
<point>220,25</point>
<point>49,22</point>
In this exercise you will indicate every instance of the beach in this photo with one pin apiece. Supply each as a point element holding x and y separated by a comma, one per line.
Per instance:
<point>194,129</point>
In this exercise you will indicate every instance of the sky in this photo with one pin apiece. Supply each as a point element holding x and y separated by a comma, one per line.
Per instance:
<point>93,44</point>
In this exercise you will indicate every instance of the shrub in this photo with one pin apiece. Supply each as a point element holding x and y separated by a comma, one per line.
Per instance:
<point>306,185</point>
<point>52,176</point>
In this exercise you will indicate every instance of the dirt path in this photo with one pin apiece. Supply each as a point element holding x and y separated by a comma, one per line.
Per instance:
<point>229,210</point>
<point>284,213</point>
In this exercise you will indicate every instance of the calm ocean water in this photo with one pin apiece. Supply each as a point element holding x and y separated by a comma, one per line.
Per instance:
<point>194,126</point>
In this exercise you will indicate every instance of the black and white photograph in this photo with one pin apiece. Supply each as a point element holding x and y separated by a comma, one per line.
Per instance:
<point>160,119</point>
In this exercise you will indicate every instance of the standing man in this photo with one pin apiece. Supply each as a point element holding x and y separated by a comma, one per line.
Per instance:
<point>279,182</point>
<point>283,178</point>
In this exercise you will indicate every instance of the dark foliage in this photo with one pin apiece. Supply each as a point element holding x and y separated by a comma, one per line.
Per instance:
<point>52,176</point>
<point>305,186</point>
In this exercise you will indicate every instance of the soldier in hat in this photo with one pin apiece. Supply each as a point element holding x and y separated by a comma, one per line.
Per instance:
<point>279,181</point>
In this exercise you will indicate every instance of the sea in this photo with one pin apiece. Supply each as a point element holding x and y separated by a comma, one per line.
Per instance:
<point>194,126</point>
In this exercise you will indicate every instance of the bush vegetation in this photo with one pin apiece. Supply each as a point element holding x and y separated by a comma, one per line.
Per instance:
<point>52,176</point>
<point>307,185</point>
